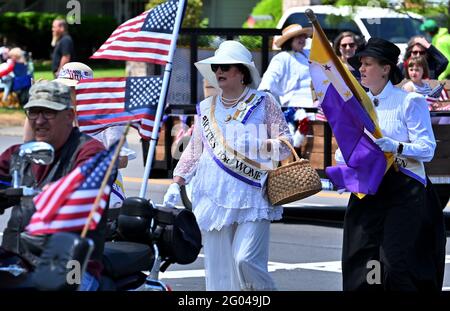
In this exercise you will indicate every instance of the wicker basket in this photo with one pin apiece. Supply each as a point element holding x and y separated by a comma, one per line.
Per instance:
<point>292,182</point>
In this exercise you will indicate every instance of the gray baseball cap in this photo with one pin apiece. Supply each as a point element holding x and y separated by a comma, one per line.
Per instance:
<point>49,94</point>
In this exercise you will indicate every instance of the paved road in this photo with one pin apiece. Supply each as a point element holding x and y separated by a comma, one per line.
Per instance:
<point>303,257</point>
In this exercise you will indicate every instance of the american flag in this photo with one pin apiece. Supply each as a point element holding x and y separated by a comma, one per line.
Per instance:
<point>106,102</point>
<point>145,38</point>
<point>65,205</point>
<point>439,93</point>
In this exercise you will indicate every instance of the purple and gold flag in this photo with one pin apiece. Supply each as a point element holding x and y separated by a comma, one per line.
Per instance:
<point>352,119</point>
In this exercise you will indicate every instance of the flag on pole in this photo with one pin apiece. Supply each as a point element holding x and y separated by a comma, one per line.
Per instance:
<point>106,102</point>
<point>65,205</point>
<point>144,38</point>
<point>352,119</point>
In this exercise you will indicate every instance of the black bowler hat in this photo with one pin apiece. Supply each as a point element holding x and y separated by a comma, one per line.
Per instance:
<point>383,50</point>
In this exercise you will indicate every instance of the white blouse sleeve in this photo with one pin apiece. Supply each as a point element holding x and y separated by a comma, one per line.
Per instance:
<point>188,162</point>
<point>417,117</point>
<point>273,75</point>
<point>277,126</point>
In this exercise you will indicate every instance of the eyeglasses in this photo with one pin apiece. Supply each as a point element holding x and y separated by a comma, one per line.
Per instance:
<point>350,45</point>
<point>418,52</point>
<point>47,114</point>
<point>224,68</point>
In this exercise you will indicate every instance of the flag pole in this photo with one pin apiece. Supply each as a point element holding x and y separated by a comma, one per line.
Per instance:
<point>105,181</point>
<point>323,37</point>
<point>162,99</point>
<point>340,68</point>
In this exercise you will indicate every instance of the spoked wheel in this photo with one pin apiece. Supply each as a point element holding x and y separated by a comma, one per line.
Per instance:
<point>185,198</point>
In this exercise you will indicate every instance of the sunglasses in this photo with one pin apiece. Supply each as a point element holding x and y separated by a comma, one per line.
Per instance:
<point>350,45</point>
<point>418,52</point>
<point>223,67</point>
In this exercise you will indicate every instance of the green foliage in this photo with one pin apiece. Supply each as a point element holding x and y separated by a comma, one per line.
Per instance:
<point>32,32</point>
<point>267,7</point>
<point>264,7</point>
<point>372,3</point>
<point>193,15</point>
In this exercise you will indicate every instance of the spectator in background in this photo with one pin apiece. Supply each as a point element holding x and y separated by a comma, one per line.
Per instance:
<point>62,43</point>
<point>441,40</point>
<point>288,73</point>
<point>14,73</point>
<point>419,46</point>
<point>288,78</point>
<point>345,46</point>
<point>417,71</point>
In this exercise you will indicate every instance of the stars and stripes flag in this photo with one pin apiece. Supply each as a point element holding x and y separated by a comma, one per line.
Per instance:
<point>145,38</point>
<point>106,102</point>
<point>65,205</point>
<point>437,94</point>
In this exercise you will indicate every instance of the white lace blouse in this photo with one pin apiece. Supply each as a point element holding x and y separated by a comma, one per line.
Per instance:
<point>218,198</point>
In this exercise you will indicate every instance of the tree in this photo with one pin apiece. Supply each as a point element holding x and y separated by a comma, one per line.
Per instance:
<point>267,7</point>
<point>193,15</point>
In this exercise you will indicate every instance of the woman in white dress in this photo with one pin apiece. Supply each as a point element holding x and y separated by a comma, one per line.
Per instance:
<point>234,142</point>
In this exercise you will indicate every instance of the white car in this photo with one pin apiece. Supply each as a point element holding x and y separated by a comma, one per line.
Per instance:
<point>365,21</point>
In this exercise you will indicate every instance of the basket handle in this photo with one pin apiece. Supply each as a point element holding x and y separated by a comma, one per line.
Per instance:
<point>284,140</point>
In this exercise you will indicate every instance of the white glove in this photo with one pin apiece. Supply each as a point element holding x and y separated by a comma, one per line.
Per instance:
<point>172,196</point>
<point>387,144</point>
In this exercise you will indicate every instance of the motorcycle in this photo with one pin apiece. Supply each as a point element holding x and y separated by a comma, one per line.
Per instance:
<point>143,237</point>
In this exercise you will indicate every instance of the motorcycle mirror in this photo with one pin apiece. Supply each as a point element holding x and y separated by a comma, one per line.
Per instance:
<point>38,152</point>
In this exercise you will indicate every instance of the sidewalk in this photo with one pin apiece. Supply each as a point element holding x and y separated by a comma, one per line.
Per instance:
<point>12,131</point>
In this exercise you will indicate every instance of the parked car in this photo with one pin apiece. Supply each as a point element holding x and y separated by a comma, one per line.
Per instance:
<point>364,21</point>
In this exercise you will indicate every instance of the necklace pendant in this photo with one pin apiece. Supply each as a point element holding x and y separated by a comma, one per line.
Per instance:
<point>242,106</point>
<point>228,118</point>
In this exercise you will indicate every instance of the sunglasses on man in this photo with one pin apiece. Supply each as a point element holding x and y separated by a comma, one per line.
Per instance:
<point>223,67</point>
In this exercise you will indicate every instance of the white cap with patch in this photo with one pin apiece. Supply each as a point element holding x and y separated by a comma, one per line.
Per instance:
<point>73,72</point>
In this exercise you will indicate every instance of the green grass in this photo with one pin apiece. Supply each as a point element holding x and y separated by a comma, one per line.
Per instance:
<point>10,111</point>
<point>46,73</point>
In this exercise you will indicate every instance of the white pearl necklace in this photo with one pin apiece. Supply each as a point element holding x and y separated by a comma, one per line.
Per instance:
<point>230,103</point>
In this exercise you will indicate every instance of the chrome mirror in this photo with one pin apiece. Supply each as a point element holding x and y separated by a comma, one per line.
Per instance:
<point>37,152</point>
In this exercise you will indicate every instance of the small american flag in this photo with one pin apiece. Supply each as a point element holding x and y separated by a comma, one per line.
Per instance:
<point>65,205</point>
<point>144,38</point>
<point>106,102</point>
<point>439,93</point>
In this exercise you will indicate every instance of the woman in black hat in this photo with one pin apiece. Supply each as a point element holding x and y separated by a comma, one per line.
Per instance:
<point>395,239</point>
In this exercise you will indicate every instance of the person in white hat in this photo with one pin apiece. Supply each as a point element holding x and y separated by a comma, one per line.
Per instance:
<point>288,78</point>
<point>235,138</point>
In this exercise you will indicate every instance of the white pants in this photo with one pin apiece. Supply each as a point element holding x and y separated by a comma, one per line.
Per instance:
<point>236,257</point>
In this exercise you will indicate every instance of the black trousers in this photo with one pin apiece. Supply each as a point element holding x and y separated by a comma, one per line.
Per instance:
<point>402,230</point>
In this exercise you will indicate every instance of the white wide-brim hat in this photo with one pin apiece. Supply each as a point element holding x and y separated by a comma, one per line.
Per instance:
<point>229,52</point>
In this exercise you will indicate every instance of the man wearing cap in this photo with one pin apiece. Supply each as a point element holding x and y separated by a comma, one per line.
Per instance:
<point>50,115</point>
<point>441,40</point>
